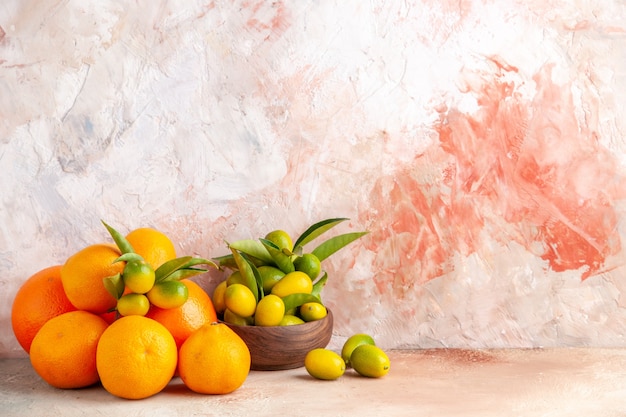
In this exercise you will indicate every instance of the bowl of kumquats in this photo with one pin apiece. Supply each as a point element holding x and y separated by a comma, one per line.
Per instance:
<point>271,295</point>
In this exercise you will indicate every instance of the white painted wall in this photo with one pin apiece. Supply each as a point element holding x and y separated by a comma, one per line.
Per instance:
<point>481,143</point>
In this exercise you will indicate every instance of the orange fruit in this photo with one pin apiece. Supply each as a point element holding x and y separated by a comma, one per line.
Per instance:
<point>194,313</point>
<point>154,246</point>
<point>109,317</point>
<point>214,360</point>
<point>82,276</point>
<point>136,357</point>
<point>63,351</point>
<point>40,298</point>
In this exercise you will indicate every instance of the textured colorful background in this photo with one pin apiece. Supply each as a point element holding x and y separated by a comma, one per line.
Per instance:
<point>481,143</point>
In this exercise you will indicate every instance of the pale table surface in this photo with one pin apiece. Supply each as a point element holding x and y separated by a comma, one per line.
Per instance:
<point>437,383</point>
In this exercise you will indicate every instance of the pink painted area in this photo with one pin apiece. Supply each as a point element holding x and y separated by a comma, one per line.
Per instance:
<point>409,242</point>
<point>267,16</point>
<point>516,169</point>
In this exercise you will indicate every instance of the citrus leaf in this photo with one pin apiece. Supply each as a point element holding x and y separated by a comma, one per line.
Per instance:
<point>247,273</point>
<point>316,230</point>
<point>297,251</point>
<point>123,245</point>
<point>319,285</point>
<point>333,244</point>
<point>257,276</point>
<point>128,257</point>
<point>297,299</point>
<point>114,285</point>
<point>228,261</point>
<point>184,273</point>
<point>169,267</point>
<point>253,248</point>
<point>282,261</point>
<point>199,261</point>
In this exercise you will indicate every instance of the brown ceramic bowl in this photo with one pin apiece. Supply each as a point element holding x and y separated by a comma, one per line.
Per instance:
<point>284,347</point>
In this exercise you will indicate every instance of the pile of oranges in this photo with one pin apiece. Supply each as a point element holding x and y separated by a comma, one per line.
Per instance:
<point>87,321</point>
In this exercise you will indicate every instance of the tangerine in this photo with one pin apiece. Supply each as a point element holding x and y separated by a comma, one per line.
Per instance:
<point>63,353</point>
<point>40,298</point>
<point>109,316</point>
<point>82,276</point>
<point>181,321</point>
<point>214,360</point>
<point>136,357</point>
<point>154,246</point>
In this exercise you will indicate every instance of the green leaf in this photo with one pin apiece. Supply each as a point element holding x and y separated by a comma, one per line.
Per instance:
<point>114,285</point>
<point>257,276</point>
<point>199,261</point>
<point>316,230</point>
<point>184,273</point>
<point>228,261</point>
<point>297,251</point>
<point>179,268</point>
<point>282,261</point>
<point>119,239</point>
<point>333,244</point>
<point>247,273</point>
<point>169,267</point>
<point>319,285</point>
<point>129,257</point>
<point>296,300</point>
<point>253,248</point>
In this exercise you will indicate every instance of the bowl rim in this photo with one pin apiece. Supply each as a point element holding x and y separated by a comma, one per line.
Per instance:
<point>313,323</point>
